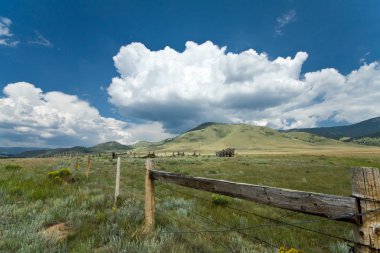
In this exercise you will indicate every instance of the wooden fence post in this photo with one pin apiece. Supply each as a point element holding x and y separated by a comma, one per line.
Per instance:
<point>366,189</point>
<point>149,198</point>
<point>77,162</point>
<point>117,187</point>
<point>88,165</point>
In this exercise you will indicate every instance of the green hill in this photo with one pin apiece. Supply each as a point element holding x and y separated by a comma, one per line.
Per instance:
<point>111,146</point>
<point>205,125</point>
<point>210,137</point>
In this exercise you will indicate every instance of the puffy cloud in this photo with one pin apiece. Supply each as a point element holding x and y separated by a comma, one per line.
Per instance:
<point>29,117</point>
<point>5,33</point>
<point>327,96</point>
<point>207,83</point>
<point>201,83</point>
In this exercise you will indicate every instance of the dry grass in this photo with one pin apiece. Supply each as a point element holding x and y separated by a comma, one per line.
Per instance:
<point>30,203</point>
<point>58,232</point>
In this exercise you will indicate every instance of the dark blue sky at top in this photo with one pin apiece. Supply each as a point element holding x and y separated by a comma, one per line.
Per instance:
<point>87,34</point>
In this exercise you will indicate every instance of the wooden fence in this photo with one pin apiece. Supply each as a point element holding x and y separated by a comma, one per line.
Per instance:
<point>362,209</point>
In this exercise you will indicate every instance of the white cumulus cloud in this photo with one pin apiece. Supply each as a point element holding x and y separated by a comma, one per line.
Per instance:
<point>30,117</point>
<point>207,83</point>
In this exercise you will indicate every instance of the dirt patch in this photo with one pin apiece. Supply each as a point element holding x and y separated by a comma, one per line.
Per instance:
<point>102,249</point>
<point>58,232</point>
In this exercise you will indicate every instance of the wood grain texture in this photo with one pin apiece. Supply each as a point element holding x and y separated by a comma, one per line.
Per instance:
<point>330,206</point>
<point>366,188</point>
<point>149,197</point>
<point>117,184</point>
<point>88,165</point>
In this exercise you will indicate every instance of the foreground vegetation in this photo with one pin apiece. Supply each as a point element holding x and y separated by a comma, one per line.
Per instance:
<point>47,205</point>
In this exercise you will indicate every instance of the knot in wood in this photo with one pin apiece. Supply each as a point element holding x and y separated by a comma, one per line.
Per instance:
<point>376,230</point>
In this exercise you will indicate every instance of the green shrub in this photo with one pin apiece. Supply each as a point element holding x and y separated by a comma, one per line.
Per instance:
<point>176,203</point>
<point>100,217</point>
<point>12,167</point>
<point>62,175</point>
<point>219,200</point>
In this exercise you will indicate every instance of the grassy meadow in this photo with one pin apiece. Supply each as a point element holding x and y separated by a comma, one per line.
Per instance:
<point>39,213</point>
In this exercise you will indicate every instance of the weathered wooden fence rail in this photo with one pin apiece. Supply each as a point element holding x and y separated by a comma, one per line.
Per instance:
<point>362,209</point>
<point>330,206</point>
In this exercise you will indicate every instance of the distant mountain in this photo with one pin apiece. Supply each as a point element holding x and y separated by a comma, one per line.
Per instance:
<point>112,146</point>
<point>56,151</point>
<point>33,153</point>
<point>368,128</point>
<point>374,135</point>
<point>15,150</point>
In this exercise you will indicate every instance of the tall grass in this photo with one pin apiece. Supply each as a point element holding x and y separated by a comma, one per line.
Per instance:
<point>30,202</point>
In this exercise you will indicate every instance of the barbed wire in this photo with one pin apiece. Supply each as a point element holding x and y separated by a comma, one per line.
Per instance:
<point>284,223</point>
<point>222,231</point>
<point>265,217</point>
<point>348,241</point>
<point>238,229</point>
<point>191,230</point>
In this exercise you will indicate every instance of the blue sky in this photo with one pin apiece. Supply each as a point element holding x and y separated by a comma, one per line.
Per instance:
<point>63,51</point>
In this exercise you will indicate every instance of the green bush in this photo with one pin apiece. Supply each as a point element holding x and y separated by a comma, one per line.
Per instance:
<point>100,217</point>
<point>219,200</point>
<point>62,175</point>
<point>12,167</point>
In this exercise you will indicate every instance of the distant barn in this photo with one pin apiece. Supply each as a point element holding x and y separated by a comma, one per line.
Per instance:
<point>228,152</point>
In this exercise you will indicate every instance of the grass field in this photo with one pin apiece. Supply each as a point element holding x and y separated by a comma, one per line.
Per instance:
<point>40,214</point>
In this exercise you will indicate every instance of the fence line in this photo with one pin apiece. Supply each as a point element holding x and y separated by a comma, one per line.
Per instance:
<point>362,209</point>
